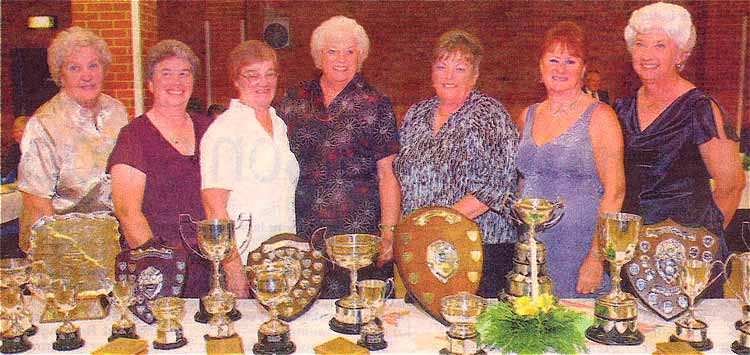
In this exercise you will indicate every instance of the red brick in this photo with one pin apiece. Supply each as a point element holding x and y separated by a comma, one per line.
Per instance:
<point>113,15</point>
<point>98,6</point>
<point>97,25</point>
<point>122,24</point>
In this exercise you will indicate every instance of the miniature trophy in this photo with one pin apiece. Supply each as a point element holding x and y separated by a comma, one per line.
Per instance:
<point>462,310</point>
<point>529,276</point>
<point>373,294</point>
<point>353,252</point>
<point>123,295</point>
<point>168,312</point>
<point>742,262</point>
<point>694,276</point>
<point>271,288</point>
<point>218,305</point>
<point>616,314</point>
<point>65,299</point>
<point>15,272</point>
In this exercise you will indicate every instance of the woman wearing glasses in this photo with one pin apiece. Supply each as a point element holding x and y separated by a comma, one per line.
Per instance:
<point>247,169</point>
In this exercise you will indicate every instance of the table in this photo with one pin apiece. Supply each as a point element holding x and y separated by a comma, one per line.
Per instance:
<point>408,329</point>
<point>10,203</point>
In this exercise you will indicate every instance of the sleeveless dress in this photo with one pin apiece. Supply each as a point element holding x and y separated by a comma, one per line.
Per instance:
<point>564,167</point>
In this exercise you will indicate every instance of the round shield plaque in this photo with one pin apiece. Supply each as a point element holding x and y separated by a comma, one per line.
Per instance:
<point>305,271</point>
<point>655,265</point>
<point>438,252</point>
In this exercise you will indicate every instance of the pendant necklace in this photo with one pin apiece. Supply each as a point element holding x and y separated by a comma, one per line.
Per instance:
<point>563,109</point>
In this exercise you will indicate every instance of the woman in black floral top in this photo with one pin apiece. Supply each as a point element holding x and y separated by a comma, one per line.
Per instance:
<point>458,150</point>
<point>344,135</point>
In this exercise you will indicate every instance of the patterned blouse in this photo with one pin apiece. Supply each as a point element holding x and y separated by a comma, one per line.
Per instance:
<point>65,153</point>
<point>337,149</point>
<point>473,153</point>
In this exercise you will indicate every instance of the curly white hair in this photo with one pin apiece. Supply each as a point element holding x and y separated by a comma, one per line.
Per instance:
<point>673,19</point>
<point>336,26</point>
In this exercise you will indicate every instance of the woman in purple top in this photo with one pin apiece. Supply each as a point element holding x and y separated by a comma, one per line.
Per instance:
<point>154,165</point>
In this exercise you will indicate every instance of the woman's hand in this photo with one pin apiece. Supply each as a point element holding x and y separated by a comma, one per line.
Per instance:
<point>386,247</point>
<point>590,275</point>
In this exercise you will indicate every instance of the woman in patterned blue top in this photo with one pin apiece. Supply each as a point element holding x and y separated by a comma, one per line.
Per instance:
<point>458,149</point>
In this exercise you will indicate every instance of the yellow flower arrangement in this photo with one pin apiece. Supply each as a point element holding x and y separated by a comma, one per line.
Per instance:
<point>525,306</point>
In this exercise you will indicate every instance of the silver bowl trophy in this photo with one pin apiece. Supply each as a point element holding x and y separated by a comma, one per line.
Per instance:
<point>14,310</point>
<point>168,312</point>
<point>373,294</point>
<point>741,266</point>
<point>353,252</point>
<point>123,295</point>
<point>694,276</point>
<point>219,305</point>
<point>616,314</point>
<point>529,276</point>
<point>462,310</point>
<point>65,299</point>
<point>270,284</point>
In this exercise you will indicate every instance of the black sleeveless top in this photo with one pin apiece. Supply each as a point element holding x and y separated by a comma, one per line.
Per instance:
<point>665,174</point>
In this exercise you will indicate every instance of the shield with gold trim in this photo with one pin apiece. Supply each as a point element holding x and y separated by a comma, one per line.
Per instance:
<point>438,252</point>
<point>654,269</point>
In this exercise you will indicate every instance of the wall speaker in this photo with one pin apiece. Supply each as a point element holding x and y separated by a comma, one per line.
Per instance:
<point>276,32</point>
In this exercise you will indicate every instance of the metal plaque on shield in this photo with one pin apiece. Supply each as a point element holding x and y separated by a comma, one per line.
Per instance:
<point>654,269</point>
<point>305,267</point>
<point>439,253</point>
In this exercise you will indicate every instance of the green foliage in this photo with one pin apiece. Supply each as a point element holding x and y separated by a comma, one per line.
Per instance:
<point>560,330</point>
<point>746,162</point>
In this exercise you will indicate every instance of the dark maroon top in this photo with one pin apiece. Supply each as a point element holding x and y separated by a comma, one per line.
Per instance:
<point>173,183</point>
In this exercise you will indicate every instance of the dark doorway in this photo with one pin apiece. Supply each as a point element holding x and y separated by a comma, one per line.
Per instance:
<point>32,82</point>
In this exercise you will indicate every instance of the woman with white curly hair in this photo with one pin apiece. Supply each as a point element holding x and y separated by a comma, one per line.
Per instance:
<point>68,139</point>
<point>675,135</point>
<point>344,135</point>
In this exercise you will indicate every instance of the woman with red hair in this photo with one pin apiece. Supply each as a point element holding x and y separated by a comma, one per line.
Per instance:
<point>571,147</point>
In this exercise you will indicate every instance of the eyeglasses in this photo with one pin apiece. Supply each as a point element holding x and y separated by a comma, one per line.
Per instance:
<point>255,76</point>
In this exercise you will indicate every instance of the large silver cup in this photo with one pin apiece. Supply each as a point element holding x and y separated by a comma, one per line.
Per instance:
<point>694,276</point>
<point>741,266</point>
<point>616,314</point>
<point>270,284</point>
<point>462,311</point>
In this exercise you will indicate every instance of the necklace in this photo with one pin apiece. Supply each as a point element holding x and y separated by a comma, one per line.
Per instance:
<point>563,109</point>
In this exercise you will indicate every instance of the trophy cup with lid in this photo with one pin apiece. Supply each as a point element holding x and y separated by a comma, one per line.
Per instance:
<point>373,293</point>
<point>694,276</point>
<point>616,314</point>
<point>123,295</point>
<point>15,272</point>
<point>271,288</point>
<point>462,310</point>
<point>529,276</point>
<point>168,312</point>
<point>741,266</point>
<point>353,252</point>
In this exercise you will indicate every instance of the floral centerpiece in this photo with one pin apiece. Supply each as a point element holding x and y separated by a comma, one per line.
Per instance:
<point>532,326</point>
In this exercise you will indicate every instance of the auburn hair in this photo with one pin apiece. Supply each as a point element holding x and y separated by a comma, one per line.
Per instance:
<point>569,36</point>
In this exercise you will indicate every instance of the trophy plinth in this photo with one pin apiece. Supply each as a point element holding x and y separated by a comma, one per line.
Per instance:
<point>462,310</point>
<point>15,272</point>
<point>270,285</point>
<point>694,276</point>
<point>219,306</point>
<point>373,294</point>
<point>616,313</point>
<point>742,345</point>
<point>740,266</point>
<point>529,276</point>
<point>353,252</point>
<point>168,311</point>
<point>123,295</point>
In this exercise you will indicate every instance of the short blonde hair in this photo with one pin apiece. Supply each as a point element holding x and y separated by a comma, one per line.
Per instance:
<point>461,42</point>
<point>66,42</point>
<point>339,25</point>
<point>250,52</point>
<point>169,48</point>
<point>673,19</point>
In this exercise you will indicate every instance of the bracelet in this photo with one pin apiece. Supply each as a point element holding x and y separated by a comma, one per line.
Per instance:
<point>387,227</point>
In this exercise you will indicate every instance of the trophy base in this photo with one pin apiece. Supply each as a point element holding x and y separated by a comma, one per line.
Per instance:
<point>128,332</point>
<point>202,316</point>
<point>344,328</point>
<point>274,344</point>
<point>31,331</point>
<point>445,351</point>
<point>703,345</point>
<point>461,346</point>
<point>16,344</point>
<point>169,346</point>
<point>738,348</point>
<point>68,341</point>
<point>214,337</point>
<point>373,342</point>
<point>614,337</point>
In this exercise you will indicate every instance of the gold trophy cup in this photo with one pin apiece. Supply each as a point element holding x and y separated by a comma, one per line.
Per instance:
<point>529,276</point>
<point>123,295</point>
<point>218,305</point>
<point>271,288</point>
<point>65,299</point>
<point>462,310</point>
<point>694,276</point>
<point>742,262</point>
<point>168,312</point>
<point>353,252</point>
<point>373,294</point>
<point>15,272</point>
<point>616,314</point>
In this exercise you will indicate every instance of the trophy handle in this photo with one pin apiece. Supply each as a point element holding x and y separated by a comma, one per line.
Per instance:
<point>242,218</point>
<point>319,234</point>
<point>558,214</point>
<point>390,286</point>
<point>745,225</point>
<point>740,296</point>
<point>723,269</point>
<point>181,220</point>
<point>508,202</point>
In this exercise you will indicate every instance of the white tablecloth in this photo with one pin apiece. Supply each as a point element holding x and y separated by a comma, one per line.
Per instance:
<point>408,330</point>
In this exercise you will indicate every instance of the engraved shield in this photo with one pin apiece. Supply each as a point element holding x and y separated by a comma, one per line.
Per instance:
<point>305,267</point>
<point>438,252</point>
<point>654,268</point>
